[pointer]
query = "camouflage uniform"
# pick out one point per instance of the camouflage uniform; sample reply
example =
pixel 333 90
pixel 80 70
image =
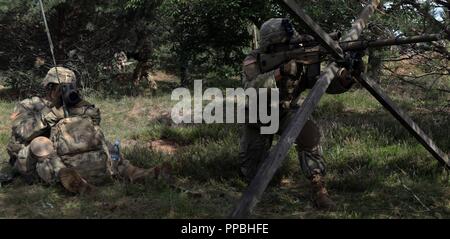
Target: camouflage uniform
pixel 142 72
pixel 36 146
pixel 44 143
pixel 254 147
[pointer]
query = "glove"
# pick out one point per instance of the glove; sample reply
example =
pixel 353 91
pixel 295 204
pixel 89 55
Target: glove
pixel 358 68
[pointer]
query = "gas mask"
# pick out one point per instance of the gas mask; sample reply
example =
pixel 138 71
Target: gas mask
pixel 70 95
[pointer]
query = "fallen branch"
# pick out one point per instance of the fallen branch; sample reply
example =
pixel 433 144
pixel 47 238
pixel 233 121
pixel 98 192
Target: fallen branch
pixel 402 78
pixel 415 197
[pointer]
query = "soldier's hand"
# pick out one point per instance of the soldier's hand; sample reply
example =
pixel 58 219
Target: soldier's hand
pixel 358 68
pixel 289 69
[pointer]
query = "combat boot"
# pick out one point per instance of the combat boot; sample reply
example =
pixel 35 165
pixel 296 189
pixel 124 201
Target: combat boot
pixel 73 182
pixel 320 194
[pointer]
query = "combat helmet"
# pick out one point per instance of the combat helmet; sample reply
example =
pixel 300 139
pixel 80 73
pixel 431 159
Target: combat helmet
pixel 276 31
pixel 65 76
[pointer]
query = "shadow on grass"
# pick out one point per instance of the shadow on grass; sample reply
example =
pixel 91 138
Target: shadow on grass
pixel 361 195
pixel 119 92
pixel 151 199
pixel 386 128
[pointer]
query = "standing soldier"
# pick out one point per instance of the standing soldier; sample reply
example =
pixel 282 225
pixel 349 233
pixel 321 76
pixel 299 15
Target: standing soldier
pixel 291 79
pixel 143 70
pixel 58 139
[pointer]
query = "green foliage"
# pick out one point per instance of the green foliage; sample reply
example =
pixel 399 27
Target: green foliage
pixel 333 15
pixel 86 35
pixel 25 83
pixel 206 34
pixel 191 38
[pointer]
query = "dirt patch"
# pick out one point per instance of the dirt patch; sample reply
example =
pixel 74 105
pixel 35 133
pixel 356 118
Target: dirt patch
pixel 164 146
pixel 160 145
pixel 160 115
pixel 152 113
pixel 137 110
pixel 163 76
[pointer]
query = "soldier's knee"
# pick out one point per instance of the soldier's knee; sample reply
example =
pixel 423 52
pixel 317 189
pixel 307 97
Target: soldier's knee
pixel 41 148
pixel 253 148
pixel 48 163
pixel 27 158
pixel 309 137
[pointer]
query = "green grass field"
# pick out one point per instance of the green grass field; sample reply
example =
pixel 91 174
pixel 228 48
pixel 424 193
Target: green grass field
pixel 375 168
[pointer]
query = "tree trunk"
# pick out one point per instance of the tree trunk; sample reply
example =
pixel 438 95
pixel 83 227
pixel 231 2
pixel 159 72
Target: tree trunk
pixel 255 43
pixel 374 65
pixel 184 75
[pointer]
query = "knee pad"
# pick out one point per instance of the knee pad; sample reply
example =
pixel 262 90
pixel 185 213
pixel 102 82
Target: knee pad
pixel 43 152
pixel 41 148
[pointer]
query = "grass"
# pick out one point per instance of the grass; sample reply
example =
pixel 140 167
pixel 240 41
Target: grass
pixel 375 168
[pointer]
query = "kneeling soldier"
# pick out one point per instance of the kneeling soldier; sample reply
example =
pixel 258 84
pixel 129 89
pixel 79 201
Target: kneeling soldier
pixel 290 79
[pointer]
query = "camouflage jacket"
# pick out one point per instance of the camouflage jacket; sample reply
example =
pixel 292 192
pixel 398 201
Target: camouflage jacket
pixel 83 108
pixel 35 117
pixel 254 78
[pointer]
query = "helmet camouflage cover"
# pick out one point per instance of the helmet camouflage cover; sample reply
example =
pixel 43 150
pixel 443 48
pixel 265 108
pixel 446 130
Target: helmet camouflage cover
pixel 276 31
pixel 65 76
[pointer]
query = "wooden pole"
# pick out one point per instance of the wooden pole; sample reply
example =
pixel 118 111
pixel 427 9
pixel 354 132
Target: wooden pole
pixel 314 29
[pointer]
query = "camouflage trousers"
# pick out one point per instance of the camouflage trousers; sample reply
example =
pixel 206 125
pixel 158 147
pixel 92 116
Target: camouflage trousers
pixel 142 76
pixel 33 168
pixel 96 166
pixel 254 148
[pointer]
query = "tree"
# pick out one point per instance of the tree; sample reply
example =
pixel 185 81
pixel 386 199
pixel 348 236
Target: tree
pixel 204 33
pixel 86 34
pixel 192 38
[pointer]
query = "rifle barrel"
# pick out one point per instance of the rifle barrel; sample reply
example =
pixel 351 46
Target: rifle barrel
pixel 361 45
pixel 310 55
